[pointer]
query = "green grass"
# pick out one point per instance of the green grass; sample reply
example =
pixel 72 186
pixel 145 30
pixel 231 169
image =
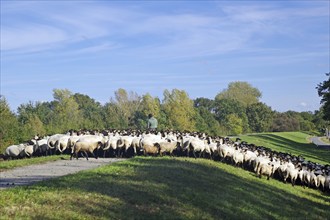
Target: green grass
pixel 296 143
pixel 10 164
pixel 164 188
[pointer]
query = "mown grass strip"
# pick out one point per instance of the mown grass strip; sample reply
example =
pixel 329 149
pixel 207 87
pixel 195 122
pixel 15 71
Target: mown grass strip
pixel 164 188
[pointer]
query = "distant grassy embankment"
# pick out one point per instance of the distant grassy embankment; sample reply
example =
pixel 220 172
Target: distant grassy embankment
pixel 164 188
pixel 296 143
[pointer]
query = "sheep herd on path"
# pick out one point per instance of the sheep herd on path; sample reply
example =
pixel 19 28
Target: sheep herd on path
pixel 127 143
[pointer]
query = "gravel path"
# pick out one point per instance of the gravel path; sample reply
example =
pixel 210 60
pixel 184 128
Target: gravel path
pixel 30 174
pixel 319 143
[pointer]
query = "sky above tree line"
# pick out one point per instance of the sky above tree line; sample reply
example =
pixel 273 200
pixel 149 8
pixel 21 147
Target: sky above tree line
pixel 96 47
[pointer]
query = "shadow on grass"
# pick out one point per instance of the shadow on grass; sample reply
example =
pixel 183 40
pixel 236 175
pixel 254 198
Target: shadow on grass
pixel 307 150
pixel 163 188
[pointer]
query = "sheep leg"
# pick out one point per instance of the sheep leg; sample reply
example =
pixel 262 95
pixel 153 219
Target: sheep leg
pixel 194 154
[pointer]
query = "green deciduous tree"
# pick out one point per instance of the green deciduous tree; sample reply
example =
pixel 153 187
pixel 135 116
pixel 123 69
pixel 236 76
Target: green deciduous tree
pixel 260 117
pixel 33 126
pixel 91 112
pixel 122 109
pixel 66 111
pixel 242 92
pixel 179 109
pixel 206 122
pixel 234 124
pixel 225 107
pixel 324 92
pixel 9 127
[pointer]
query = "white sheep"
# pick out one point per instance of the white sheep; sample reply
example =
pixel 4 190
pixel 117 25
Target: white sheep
pixel 291 172
pixel 238 157
pixel 320 181
pixel 14 151
pixel 266 169
pixel 167 146
pixel 86 147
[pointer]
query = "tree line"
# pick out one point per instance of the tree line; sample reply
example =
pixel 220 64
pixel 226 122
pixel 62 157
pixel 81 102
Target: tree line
pixel 235 110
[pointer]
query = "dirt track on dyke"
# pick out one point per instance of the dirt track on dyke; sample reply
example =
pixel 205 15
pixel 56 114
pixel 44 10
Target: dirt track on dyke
pixel 34 173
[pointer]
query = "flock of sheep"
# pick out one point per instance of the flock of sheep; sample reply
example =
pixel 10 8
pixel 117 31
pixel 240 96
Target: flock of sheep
pixel 126 143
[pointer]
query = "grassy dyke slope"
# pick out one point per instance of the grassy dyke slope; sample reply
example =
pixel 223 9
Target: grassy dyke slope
pixel 164 188
pixel 296 143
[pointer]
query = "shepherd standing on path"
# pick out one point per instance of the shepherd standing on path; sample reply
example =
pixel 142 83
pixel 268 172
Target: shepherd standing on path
pixel 152 123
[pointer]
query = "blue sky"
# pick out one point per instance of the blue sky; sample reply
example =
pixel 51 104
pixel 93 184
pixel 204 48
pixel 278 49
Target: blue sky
pixel 96 47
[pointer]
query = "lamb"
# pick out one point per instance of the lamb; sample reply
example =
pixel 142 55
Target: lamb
pixel 86 147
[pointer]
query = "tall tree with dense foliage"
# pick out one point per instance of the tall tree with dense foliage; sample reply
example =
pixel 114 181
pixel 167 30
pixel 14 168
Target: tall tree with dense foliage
pixel 242 92
pixel 225 107
pixel 323 90
pixel 179 109
pixel 9 127
pixel 260 117
pixel 66 111
pixel 91 111
pixel 206 122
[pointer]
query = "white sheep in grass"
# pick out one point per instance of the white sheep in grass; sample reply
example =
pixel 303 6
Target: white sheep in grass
pixel 213 145
pixel 28 151
pixel 310 178
pixel 259 161
pixel 320 181
pixel 225 150
pixel 167 146
pixel 249 157
pixel 52 141
pixel 62 143
pixel 14 151
pixel 136 144
pixel 148 142
pixel 292 173
pixel 238 157
pixel 124 144
pixel 86 147
pixel 196 144
pixel 41 147
pixel 327 182
pixel 266 169
pixel 72 140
